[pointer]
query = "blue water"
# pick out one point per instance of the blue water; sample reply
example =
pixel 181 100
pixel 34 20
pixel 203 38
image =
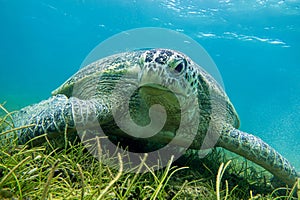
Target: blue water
pixel 255 44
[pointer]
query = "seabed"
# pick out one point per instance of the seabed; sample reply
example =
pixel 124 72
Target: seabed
pixel 70 172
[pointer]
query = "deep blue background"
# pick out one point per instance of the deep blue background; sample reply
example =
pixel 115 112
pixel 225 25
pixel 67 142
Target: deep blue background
pixel 255 44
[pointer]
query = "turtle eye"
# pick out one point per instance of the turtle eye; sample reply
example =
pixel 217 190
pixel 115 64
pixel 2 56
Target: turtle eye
pixel 180 66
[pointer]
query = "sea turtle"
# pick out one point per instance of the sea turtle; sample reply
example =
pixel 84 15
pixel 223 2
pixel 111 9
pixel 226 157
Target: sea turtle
pixel 157 76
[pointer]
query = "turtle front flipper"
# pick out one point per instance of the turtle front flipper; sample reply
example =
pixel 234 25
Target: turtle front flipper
pixel 259 152
pixel 55 116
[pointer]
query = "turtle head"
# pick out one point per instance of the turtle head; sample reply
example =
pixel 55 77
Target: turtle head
pixel 166 69
pixel 172 71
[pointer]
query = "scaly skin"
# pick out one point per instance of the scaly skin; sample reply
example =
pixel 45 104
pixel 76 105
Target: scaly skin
pixel 259 152
pixel 90 96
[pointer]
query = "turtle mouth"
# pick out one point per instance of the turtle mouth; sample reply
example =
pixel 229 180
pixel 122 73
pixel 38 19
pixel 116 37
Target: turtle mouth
pixel 156 89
